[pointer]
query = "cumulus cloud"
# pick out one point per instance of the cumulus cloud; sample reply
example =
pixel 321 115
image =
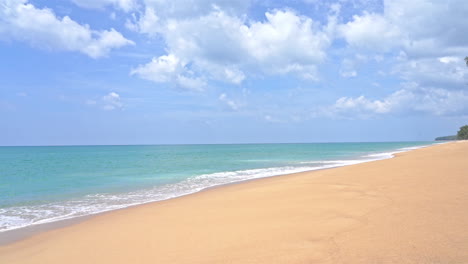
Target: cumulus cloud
pixel 419 27
pixel 427 37
pixel 286 43
pixel 434 86
pixel 161 69
pixel 111 101
pixel 361 107
pixel 125 5
pixel 169 69
pixel 156 14
pixel 443 72
pixel 191 83
pixel 41 28
pixel 371 31
pixel 148 23
pixel 216 40
pixel 416 99
pixel 426 34
pixel 225 47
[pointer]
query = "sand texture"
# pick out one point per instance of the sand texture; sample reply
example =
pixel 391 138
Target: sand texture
pixel 409 209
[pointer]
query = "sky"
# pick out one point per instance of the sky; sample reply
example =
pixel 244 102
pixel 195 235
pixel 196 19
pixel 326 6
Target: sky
pixel 88 72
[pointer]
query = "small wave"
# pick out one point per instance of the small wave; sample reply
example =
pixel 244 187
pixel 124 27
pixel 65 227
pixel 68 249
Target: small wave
pixel 22 216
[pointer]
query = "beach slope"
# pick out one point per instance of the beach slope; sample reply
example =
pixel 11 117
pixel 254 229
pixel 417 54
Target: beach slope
pixel 409 209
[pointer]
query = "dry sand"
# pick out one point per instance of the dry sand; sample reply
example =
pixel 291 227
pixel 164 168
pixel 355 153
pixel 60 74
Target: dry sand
pixel 409 209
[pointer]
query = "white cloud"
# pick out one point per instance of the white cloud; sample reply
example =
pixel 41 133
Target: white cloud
pixel 233 75
pixel 286 42
pixel 161 69
pixel 427 36
pixel 191 83
pixel 371 31
pixel 196 8
pixel 125 5
pixel 148 23
pixel 169 69
pixel 111 101
pixel 419 27
pixel 360 106
pixel 224 47
pixel 230 103
pixel 449 59
pixel 157 13
pixel 443 72
pixel 413 99
pixel 22 21
pixel 431 27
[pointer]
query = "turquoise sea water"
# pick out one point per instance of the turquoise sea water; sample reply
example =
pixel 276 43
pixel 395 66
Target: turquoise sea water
pixel 45 184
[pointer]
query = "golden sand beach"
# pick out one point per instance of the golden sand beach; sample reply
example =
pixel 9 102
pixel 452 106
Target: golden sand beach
pixel 409 209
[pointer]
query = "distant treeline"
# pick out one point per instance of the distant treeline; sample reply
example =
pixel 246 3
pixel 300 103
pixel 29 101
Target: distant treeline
pixel 462 133
pixel 447 138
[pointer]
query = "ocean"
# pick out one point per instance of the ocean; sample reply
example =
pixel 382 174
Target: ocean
pixel 46 184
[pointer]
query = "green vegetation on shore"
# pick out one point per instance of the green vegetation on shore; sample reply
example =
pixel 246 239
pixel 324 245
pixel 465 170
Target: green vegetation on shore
pixel 446 138
pixel 462 133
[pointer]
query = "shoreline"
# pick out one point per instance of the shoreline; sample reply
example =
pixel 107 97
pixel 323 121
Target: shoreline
pixel 18 234
pixel 407 209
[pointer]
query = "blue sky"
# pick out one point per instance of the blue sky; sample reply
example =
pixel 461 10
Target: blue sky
pixel 205 71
